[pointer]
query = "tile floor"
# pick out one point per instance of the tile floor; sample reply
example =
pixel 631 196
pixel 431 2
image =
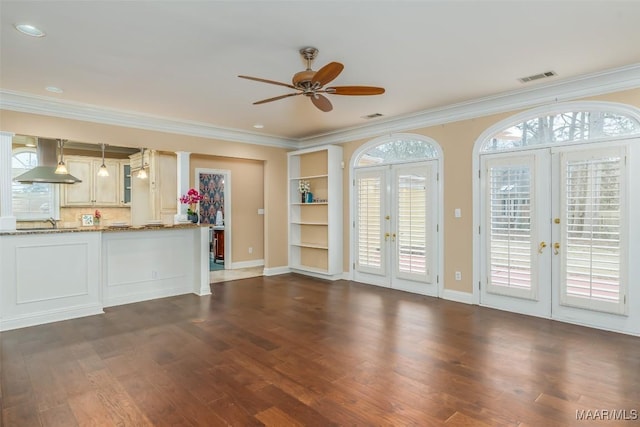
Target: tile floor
pixel 240 273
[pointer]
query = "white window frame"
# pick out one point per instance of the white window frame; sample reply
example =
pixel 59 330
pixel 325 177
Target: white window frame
pixel 54 211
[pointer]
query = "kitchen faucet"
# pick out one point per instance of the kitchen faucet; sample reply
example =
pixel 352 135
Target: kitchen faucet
pixel 53 222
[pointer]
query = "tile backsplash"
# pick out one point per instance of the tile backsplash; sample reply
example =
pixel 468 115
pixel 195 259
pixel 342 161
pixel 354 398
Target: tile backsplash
pixel 72 217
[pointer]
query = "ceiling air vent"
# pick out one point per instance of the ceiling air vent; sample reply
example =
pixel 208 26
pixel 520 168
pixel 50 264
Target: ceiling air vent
pixel 372 116
pixel 538 76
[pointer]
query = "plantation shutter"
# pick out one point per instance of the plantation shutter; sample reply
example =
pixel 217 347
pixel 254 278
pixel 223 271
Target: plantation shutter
pixel 593 231
pixel 414 221
pixel 510 205
pixel 369 201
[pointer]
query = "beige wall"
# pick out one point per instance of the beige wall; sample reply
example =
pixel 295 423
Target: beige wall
pixel 247 196
pixel 273 161
pixel 457 140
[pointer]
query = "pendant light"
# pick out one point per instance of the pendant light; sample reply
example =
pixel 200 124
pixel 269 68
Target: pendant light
pixel 61 169
pixel 103 168
pixel 142 174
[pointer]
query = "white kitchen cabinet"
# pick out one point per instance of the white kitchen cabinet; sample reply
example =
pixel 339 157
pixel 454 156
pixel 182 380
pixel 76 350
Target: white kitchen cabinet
pixel 154 198
pixel 94 190
pixel 125 183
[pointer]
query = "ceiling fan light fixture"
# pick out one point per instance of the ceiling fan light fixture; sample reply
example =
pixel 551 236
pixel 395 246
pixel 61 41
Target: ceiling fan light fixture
pixel 300 78
pixel 312 83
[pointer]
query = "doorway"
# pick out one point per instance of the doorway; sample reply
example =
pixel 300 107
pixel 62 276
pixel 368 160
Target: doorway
pixel 555 236
pixel 396 208
pixel 215 210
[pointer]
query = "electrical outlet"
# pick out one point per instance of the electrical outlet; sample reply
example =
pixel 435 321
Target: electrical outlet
pixel 250 250
pixel 458 275
pixel 154 274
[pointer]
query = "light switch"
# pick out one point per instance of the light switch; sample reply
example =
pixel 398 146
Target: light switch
pixel 457 213
pixel 260 211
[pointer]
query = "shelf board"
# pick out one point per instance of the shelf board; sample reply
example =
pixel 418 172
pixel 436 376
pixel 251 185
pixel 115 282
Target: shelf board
pixel 310 177
pixel 311 269
pixel 303 204
pixel 310 245
pixel 309 223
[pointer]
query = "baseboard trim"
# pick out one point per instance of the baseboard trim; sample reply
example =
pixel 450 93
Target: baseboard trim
pixel 247 264
pixel 146 296
pixel 41 318
pixel 274 271
pixel 457 296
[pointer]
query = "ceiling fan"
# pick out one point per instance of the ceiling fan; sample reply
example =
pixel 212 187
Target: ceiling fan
pixel 311 83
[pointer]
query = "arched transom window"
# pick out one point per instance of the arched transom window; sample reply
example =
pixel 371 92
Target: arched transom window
pixel 397 149
pixel 563 128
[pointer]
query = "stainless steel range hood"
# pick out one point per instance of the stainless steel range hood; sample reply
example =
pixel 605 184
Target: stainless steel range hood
pixel 47 162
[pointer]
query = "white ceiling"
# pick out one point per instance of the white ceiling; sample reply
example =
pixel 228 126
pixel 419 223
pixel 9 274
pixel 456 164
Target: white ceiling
pixel 180 59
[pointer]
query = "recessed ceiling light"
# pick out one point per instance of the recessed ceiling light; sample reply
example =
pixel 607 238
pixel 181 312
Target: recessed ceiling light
pixel 54 89
pixel 258 126
pixel 30 30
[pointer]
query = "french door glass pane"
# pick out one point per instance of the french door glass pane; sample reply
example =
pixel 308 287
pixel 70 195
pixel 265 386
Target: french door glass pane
pixel 412 224
pixel 593 206
pixel 510 227
pixel 369 222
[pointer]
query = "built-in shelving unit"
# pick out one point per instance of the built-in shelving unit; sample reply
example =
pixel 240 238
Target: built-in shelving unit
pixel 315 226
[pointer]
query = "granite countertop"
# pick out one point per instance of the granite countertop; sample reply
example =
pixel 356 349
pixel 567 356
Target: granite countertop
pixel 107 228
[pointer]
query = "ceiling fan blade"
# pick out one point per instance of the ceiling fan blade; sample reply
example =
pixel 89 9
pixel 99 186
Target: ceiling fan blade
pixel 276 98
pixel 322 102
pixel 327 73
pixel 269 81
pixel 354 90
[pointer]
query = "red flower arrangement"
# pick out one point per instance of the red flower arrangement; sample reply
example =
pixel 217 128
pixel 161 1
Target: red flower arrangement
pixel 191 198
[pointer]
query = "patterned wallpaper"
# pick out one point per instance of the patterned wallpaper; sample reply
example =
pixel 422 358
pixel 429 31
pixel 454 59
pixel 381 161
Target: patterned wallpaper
pixel 212 188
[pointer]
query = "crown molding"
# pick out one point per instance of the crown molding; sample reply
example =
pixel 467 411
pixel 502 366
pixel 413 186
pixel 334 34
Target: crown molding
pixel 608 81
pixel 28 103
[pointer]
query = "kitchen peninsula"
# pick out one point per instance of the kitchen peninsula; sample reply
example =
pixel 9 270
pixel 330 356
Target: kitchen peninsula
pixel 58 274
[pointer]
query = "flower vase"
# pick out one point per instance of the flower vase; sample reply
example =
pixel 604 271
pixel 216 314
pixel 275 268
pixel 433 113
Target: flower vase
pixel 193 218
pixel 304 197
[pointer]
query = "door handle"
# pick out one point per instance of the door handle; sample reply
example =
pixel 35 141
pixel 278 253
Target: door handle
pixel 556 248
pixel 542 246
pixel 386 236
pixel 393 237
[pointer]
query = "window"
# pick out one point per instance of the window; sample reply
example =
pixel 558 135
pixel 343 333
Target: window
pixel 400 149
pixel 35 201
pixel 562 128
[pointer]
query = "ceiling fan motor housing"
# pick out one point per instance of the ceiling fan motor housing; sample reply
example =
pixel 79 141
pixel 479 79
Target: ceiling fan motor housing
pixel 302 79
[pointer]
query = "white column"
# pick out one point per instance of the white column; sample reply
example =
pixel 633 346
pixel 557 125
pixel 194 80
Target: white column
pixel 183 183
pixel 7 220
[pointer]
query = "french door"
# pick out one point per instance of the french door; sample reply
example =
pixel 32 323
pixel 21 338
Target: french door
pixel 554 233
pixel 396 226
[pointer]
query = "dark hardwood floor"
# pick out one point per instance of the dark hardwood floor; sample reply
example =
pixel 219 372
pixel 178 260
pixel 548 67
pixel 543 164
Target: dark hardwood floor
pixel 290 350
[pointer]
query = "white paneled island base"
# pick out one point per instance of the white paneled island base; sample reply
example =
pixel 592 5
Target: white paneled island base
pixel 64 274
